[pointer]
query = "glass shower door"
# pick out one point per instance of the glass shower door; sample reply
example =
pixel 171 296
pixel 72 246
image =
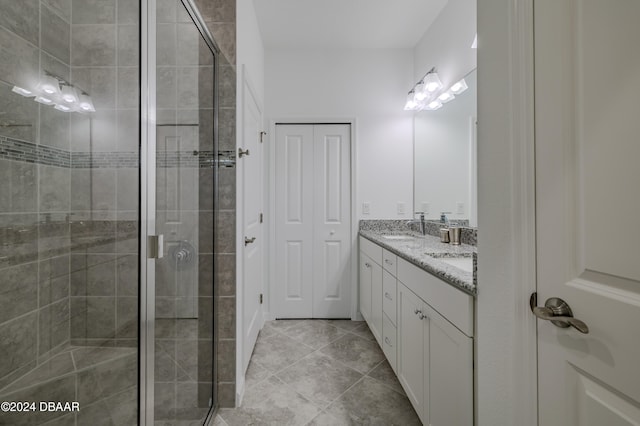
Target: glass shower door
pixel 69 210
pixel 184 196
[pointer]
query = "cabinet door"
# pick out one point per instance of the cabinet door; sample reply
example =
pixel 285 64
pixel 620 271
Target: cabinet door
pixel 451 374
pixel 366 266
pixel 413 339
pixel 376 302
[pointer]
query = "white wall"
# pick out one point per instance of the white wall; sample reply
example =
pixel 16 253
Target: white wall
pixel 250 48
pixel 506 329
pixel 368 85
pixel 447 43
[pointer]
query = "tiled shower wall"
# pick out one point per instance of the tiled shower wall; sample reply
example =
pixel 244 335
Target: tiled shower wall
pixel 68 206
pixel 34 195
pixel 104 174
pixel 220 17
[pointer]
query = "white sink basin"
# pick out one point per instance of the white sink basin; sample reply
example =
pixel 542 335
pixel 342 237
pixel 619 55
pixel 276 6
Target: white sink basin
pixel 464 263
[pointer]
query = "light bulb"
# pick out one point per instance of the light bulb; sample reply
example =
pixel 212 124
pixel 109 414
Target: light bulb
pixel 62 107
pixel 49 85
pixel 434 105
pixel 420 93
pixel 69 94
pixel 44 100
pixel 411 103
pixel 446 97
pixel 21 91
pixel 459 87
pixel 86 104
pixel 432 82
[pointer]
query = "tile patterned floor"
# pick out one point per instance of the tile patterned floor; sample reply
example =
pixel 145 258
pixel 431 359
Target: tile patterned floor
pixel 319 372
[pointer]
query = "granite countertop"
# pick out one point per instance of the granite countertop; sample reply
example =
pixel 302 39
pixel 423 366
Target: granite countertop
pixel 414 249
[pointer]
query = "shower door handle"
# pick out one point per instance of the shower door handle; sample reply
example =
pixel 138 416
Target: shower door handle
pixel 248 241
pixel 155 246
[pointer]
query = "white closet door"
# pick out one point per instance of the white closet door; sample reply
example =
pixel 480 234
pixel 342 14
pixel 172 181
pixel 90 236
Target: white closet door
pixel 332 221
pixel 294 222
pixel 313 221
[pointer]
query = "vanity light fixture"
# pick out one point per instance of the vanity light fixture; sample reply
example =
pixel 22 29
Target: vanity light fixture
pixel 69 94
pixel 63 108
pixel 447 96
pixel 411 104
pixel 420 91
pixel 433 105
pixel 459 87
pixel 43 100
pixel 49 85
pixel 24 92
pixel 86 104
pixel 428 94
pixel 59 93
pixel 432 82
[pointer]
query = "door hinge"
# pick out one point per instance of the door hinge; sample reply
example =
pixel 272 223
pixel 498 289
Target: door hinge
pixel 261 218
pixel 262 135
pixel 261 298
pixel 155 246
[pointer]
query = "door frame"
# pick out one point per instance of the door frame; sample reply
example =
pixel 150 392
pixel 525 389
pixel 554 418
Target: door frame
pixel 271 208
pixel 506 346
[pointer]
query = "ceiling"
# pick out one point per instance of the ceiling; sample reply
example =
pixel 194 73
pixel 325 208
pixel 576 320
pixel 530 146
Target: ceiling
pixel 345 23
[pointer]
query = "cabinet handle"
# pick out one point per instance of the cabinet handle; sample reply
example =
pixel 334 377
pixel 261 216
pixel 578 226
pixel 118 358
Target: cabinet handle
pixel 419 314
pixel 367 265
pixel 387 295
pixel 388 262
pixel 387 341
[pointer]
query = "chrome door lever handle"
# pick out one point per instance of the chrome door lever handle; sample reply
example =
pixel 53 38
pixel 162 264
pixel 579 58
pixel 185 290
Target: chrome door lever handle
pixel 249 240
pixel 558 312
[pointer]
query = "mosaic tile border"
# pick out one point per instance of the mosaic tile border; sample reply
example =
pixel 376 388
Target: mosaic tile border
pixel 17 150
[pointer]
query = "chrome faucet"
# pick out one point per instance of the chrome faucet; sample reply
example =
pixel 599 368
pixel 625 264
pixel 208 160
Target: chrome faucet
pixel 423 227
pixel 444 220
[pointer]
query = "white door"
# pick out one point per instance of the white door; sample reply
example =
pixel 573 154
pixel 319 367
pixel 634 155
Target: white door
pixel 313 221
pixel 332 221
pixel 587 89
pixel 250 165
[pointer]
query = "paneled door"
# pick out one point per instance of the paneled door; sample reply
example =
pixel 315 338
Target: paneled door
pixel 313 221
pixel 587 175
pixel 250 168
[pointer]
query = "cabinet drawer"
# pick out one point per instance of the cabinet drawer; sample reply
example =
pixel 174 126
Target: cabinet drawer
pixel 372 250
pixel 389 261
pixel 451 303
pixel 389 288
pixel 389 342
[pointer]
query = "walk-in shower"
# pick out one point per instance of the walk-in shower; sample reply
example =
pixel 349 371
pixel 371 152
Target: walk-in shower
pixel 108 118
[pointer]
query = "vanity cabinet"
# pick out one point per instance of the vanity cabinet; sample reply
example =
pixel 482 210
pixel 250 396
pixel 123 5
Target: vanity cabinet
pixel 425 328
pixel 371 286
pixel 435 365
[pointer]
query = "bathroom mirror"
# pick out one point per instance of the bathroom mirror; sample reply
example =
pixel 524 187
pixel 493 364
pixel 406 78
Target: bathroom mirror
pixel 445 158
